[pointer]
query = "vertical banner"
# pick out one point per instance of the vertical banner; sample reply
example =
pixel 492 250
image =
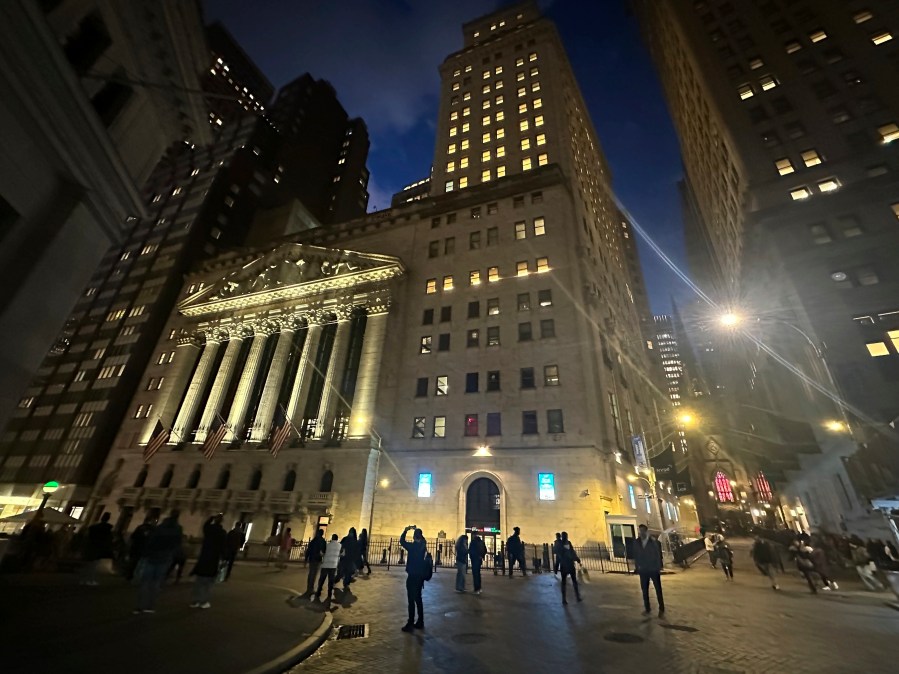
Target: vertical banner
pixel 640 460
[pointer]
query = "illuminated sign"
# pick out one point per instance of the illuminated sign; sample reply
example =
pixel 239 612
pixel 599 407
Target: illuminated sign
pixel 546 482
pixel 484 530
pixel 424 485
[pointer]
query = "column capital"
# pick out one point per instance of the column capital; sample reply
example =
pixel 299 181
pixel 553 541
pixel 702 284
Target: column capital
pixel 379 304
pixel 266 327
pixel 292 322
pixel 215 335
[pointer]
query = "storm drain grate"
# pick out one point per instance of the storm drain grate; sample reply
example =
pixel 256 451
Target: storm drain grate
pixel 623 638
pixel 352 632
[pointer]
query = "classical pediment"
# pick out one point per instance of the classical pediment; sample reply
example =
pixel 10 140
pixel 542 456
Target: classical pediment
pixel 291 271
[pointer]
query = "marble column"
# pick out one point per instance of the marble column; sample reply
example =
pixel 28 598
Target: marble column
pixel 363 410
pixel 245 387
pixel 197 386
pixel 300 391
pixel 269 400
pixel 222 380
pixel 177 380
pixel 333 375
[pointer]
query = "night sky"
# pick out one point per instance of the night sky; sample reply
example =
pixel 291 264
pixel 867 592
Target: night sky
pixel 382 58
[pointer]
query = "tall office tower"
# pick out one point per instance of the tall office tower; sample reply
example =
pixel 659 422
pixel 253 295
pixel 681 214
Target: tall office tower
pixel 669 353
pixel 234 85
pixel 469 360
pixel 787 115
pixel 80 137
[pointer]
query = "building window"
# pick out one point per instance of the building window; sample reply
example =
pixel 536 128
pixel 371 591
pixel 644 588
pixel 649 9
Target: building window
pixel 471 425
pixel 810 158
pixel 767 82
pixel 820 233
pixel 862 16
pixel 550 375
pixel 542 264
pixel 427 317
pixel 545 298
pixel 526 164
pixel 448 186
pixel 439 427
pixel 539 226
pixel 474 277
pixel 450 166
pixel 471 382
pixel 492 274
pixel 800 193
pixel 817 36
pixel 441 385
pixel 473 338
pixel 494 423
pixel 493 380
pixel 877 349
pixel 463 181
pixel 867 276
pixel 763 488
pixel 525 143
pixel 492 236
pixel 421 387
pixel 486 175
pixel 493 336
pixel 425 344
pixel 433 249
pixel 888 133
pixel 633 496
pixel 449 245
pixel 525 333
pixel 538 120
pixel 723 490
pixel 527 378
pixel 745 91
pixel 493 306
pixel 500 153
pixel 474 240
pixel 881 37
pixel 523 125
pixel 542 159
pixel 443 342
pixel 547 328
pixel 554 421
pixel 784 166
pixel 829 185
pixel 430 286
pixel 448 282
pixel 521 268
pixel 418 427
pixel 474 309
pixel 524 301
pixel 521 231
pixel 529 422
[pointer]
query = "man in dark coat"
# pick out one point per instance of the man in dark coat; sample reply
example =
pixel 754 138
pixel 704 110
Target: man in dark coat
pixel 349 556
pixel 235 541
pixel 515 551
pixel 137 543
pixel 212 550
pixel 315 552
pixel 99 546
pixel 416 571
pixel 158 553
pixel 648 565
pixel 477 550
pixel 765 558
pixel 566 559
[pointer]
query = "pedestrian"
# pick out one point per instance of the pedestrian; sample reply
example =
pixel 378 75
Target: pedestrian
pixel 764 556
pixel 801 554
pixel 822 568
pixel 179 561
pixel 725 555
pixel 417 571
pixel 330 561
pixel 284 548
pixel 315 553
pixel 98 548
pixel 648 565
pixel 556 544
pixel 136 544
pixel 709 541
pixel 515 551
pixel 350 553
pixel 865 567
pixel 477 551
pixel 567 557
pixel 206 569
pixel 233 544
pixel 363 551
pixel 461 562
pixel 158 553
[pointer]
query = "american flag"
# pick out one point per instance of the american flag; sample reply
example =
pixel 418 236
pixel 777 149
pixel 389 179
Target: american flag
pixel 281 428
pixel 159 437
pixel 214 437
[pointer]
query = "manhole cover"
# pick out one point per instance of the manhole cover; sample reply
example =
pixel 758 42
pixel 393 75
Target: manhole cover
pixel 679 628
pixel 352 632
pixel 469 638
pixel 623 638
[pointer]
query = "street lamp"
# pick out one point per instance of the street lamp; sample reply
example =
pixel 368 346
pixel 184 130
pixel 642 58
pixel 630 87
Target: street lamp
pixel 49 488
pixel 483 450
pixel 652 494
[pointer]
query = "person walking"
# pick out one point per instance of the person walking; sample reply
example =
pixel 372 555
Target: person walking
pixel 725 555
pixel 207 567
pixel 315 553
pixel 330 560
pixel 137 543
pixel 515 551
pixel 822 567
pixel 709 540
pixel 864 566
pixel 461 562
pixel 363 551
pixel 416 572
pixel 648 565
pixel 158 553
pixel 567 558
pixel 556 544
pixel 99 547
pixel 350 553
pixel 477 551
pixel 233 544
pixel 764 557
pixel 801 554
pixel 284 547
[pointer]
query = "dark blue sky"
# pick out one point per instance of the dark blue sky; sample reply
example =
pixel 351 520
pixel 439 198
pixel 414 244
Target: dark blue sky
pixel 382 57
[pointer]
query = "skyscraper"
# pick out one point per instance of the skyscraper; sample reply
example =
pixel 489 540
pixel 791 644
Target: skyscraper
pixel 472 359
pixel 787 117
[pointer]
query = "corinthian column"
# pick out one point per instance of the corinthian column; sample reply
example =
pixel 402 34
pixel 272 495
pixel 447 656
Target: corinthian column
pixel 363 410
pixel 197 385
pixel 266 411
pixel 222 380
pixel 247 377
pixel 300 392
pixel 333 375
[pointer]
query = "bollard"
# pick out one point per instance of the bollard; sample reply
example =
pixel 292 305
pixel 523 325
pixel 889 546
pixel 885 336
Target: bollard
pixel 384 556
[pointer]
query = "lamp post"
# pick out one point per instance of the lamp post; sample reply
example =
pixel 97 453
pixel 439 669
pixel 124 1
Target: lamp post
pixel 49 488
pixel 652 494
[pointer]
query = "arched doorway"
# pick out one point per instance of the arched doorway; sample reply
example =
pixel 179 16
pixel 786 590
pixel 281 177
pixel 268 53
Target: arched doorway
pixel 482 511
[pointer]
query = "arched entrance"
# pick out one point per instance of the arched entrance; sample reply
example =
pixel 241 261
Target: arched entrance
pixel 482 511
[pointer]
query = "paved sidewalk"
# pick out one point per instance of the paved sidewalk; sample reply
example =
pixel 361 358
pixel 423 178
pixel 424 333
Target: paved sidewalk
pixel 49 623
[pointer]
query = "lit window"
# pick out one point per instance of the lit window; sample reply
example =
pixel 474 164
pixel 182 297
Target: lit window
pixel 465 127
pixel 767 82
pixel 519 77
pixel 811 158
pixel 471 425
pixel 468 69
pixel 526 164
pixel 888 133
pixel 545 298
pixel 499 116
pixel 501 151
pixel 424 481
pixel 755 63
pixel 538 120
pixel 535 87
pixel 792 47
pixel 485 104
pixel 532 56
pixel 448 186
pixel 485 89
pixel 521 268
pixel 539 226
pixel 457 72
pixel 447 282
pixel 498 85
pixel 500 134
pixel 522 92
pixel 466 111
pixel 723 490
pixel 800 193
pixel 877 349
pixel 456 86
pixel 485 175
pixel 431 286
pixel 523 125
pixel 492 274
pixel 418 427
pixel 784 166
pixel 485 138
pixel 522 108
pixel 450 166
pixel 521 231
pixel 451 148
pixel 463 163
pixel 541 139
pixel 519 61
pixel 439 427
pixel 542 159
pixel 474 277
pixel 463 183
pixel 498 70
pixel 550 375
pixel 829 185
pixel 542 264
pixel 862 16
pixel 525 143
pixel 817 36
pixel 464 144
pixel 538 103
pixel 633 496
pixel 895 208
pixel 880 38
pixel 486 156
pixel 894 338
pixel 454 115
pixel 500 171
pixel 745 92
pixel 441 385
pixel 454 130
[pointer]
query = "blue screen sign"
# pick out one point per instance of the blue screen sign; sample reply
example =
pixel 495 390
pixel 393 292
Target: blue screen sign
pixel 546 483
pixel 424 485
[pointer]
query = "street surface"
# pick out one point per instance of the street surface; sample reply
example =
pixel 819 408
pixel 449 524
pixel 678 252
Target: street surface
pixel 712 626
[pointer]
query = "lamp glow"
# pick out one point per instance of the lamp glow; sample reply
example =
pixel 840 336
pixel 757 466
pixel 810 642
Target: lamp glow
pixel 730 319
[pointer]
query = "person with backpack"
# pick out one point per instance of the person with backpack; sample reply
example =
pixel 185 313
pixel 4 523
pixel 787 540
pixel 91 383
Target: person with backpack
pixel 477 551
pixel 418 570
pixel 567 558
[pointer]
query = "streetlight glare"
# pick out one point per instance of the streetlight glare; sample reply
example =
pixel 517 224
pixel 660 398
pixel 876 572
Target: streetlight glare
pixel 835 426
pixel 686 418
pixel 730 319
pixel 385 482
pixel 632 478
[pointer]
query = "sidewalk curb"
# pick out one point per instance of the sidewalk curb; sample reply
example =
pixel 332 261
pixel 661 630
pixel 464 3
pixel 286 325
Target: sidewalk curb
pixel 296 655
